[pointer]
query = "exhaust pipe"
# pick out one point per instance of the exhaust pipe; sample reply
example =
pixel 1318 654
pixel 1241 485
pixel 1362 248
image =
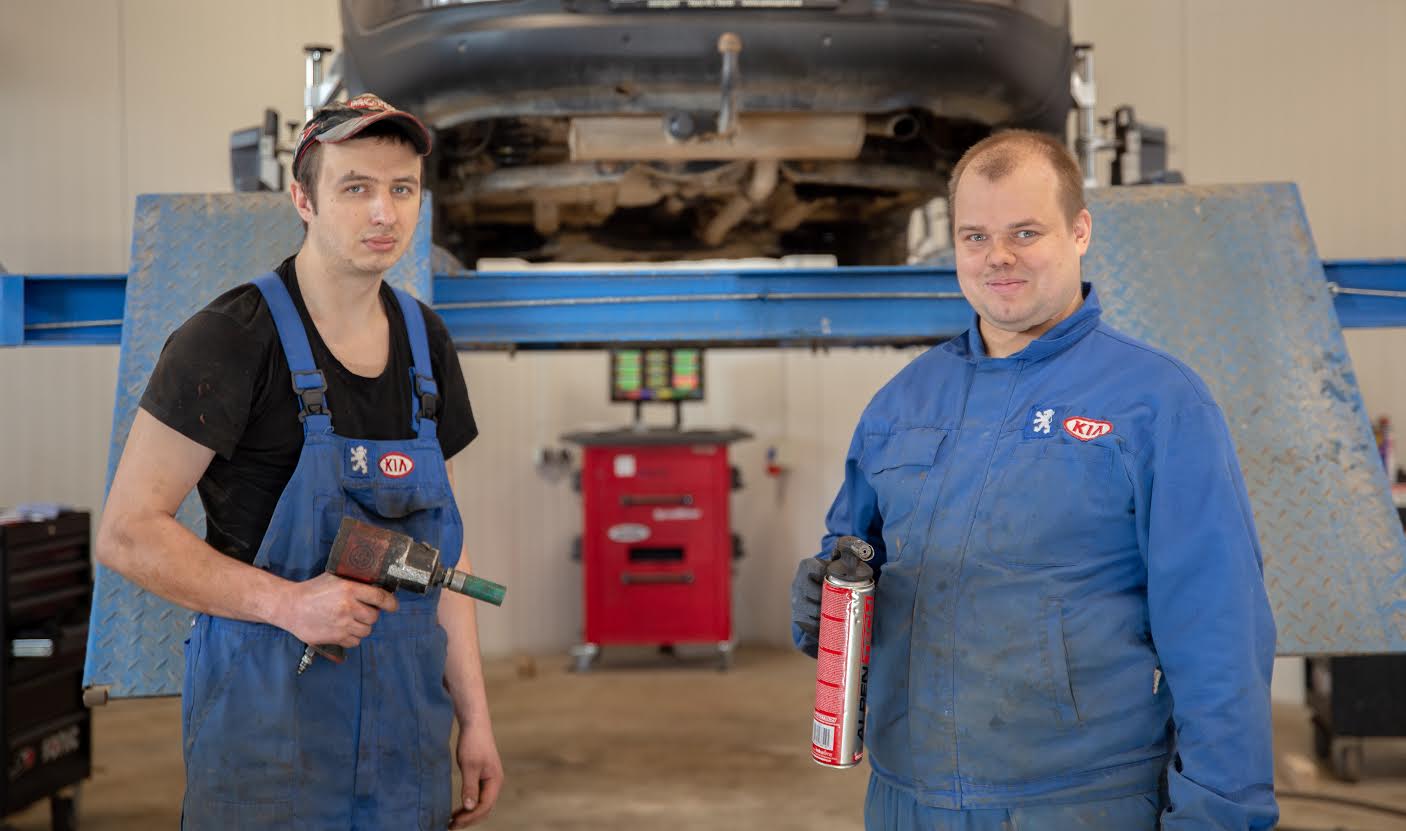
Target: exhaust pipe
pixel 899 126
pixel 781 136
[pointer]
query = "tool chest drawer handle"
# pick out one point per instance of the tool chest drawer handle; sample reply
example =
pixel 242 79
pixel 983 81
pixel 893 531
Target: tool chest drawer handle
pixel 629 500
pixel 644 579
pixel 32 648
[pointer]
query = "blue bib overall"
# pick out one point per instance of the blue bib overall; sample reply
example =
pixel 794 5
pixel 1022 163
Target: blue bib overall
pixel 360 745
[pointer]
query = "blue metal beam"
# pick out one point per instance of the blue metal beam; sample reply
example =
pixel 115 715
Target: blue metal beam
pixel 1368 293
pixel 69 309
pixel 717 306
pixel 835 306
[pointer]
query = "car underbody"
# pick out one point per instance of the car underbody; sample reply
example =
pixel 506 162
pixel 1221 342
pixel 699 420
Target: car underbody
pixel 619 131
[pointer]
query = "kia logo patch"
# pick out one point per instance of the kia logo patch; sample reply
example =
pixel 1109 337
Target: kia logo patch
pixel 396 465
pixel 1085 429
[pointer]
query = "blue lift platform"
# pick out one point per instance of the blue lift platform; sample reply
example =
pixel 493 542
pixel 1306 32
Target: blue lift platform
pixel 1225 277
pixel 897 305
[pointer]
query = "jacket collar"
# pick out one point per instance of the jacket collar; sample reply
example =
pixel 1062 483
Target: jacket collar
pixel 969 347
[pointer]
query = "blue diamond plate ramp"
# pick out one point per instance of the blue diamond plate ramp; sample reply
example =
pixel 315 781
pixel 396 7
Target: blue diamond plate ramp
pixel 187 250
pixel 1227 278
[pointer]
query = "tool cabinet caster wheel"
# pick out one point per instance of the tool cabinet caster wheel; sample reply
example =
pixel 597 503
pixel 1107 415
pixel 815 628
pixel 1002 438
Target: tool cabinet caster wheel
pixel 1347 761
pixel 725 652
pixel 582 656
pixel 63 813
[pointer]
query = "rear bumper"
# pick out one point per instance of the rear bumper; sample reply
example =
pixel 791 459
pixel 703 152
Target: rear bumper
pixel 953 58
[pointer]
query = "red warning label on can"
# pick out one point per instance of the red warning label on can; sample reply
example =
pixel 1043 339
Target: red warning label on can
pixel 846 615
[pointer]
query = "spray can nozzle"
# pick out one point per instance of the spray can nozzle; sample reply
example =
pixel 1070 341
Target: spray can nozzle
pixel 849 560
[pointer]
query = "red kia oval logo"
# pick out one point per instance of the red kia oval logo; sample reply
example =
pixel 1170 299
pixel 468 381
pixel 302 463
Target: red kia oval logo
pixel 396 465
pixel 1085 429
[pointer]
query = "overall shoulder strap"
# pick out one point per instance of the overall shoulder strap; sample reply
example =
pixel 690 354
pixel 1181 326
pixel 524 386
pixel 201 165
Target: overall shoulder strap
pixel 309 385
pixel 424 407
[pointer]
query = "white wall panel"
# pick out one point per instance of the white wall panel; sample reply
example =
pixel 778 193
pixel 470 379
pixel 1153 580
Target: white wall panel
pixel 61 151
pixel 56 424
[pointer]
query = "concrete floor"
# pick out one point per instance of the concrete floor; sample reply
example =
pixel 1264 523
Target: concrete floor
pixel 646 743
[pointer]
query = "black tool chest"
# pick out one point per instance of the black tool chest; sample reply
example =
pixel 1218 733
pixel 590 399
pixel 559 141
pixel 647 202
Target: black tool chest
pixel 1352 698
pixel 46 593
pixel 1355 697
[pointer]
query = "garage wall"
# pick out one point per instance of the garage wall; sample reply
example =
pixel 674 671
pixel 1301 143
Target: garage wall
pixel 104 100
pixel 144 93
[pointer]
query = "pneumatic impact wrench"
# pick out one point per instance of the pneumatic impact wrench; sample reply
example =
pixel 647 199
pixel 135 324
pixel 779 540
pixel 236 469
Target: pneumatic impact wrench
pixel 388 560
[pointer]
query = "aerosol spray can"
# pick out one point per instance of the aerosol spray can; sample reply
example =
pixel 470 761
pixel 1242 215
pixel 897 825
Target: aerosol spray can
pixel 842 664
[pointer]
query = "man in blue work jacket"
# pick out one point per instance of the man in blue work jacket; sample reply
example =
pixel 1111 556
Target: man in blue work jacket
pixel 313 393
pixel 1071 628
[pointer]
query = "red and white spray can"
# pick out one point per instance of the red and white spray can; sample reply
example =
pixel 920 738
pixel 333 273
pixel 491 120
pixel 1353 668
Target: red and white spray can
pixel 842 663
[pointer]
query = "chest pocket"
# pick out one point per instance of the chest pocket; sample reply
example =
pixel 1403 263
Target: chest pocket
pixel 897 466
pixel 1050 503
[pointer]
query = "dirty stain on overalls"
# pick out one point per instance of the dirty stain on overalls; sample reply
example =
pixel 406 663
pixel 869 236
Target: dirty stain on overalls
pixel 364 744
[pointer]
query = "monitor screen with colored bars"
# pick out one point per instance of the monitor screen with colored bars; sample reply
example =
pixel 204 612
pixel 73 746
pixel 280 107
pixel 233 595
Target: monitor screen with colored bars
pixel 656 374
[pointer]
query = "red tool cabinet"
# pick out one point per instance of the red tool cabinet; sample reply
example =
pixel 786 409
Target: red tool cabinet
pixel 657 545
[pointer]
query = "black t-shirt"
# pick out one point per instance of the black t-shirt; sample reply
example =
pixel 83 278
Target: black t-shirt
pixel 222 380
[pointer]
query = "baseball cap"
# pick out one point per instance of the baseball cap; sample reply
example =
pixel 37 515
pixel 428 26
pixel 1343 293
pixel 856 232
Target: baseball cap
pixel 341 122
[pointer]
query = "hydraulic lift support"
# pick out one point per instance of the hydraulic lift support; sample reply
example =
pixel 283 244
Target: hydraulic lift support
pixel 1225 277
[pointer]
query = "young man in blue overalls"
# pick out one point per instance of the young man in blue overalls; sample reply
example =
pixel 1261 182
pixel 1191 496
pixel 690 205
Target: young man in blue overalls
pixel 1071 628
pixel 312 393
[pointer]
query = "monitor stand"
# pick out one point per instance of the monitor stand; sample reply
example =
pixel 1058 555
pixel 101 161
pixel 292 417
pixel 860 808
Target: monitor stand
pixel 639 416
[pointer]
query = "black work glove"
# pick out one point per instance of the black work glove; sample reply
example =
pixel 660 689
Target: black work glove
pixel 805 600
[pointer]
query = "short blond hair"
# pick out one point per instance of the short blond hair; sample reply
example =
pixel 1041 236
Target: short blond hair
pixel 1000 153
